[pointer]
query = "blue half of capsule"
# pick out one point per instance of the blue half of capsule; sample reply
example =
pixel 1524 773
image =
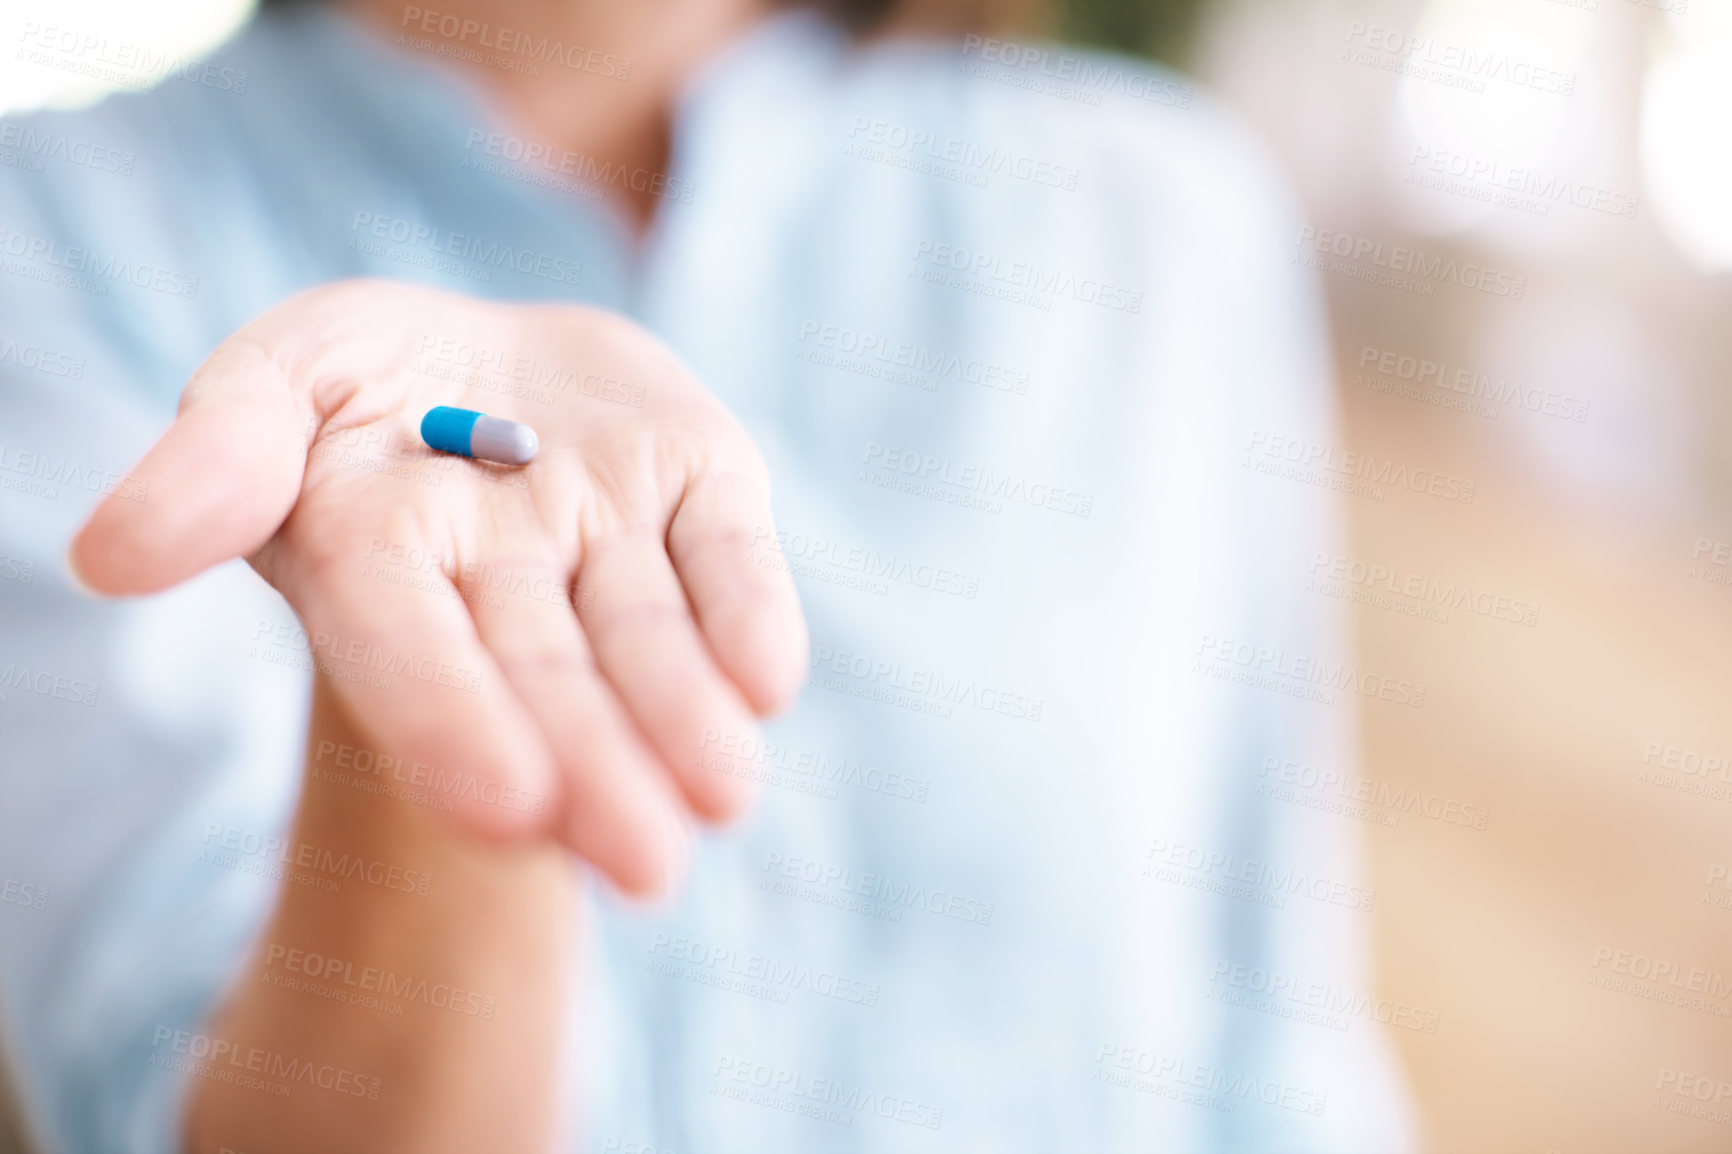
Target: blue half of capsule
pixel 471 434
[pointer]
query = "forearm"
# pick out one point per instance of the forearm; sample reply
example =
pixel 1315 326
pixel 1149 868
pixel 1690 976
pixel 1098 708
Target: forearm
pixel 445 1034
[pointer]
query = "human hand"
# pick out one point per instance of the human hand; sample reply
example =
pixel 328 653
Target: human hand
pixel 297 446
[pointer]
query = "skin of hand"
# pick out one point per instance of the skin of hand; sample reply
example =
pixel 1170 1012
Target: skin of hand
pixel 580 631
pixel 442 1000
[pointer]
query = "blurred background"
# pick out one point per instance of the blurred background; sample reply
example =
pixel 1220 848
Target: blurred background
pixel 1574 619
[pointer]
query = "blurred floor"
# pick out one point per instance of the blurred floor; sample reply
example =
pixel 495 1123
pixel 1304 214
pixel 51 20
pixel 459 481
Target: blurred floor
pixel 1499 931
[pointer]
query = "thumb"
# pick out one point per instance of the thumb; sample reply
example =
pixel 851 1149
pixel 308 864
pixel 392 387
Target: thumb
pixel 216 486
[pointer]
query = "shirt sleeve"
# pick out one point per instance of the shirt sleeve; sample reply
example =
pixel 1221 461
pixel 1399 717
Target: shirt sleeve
pixel 138 736
pixel 1310 1023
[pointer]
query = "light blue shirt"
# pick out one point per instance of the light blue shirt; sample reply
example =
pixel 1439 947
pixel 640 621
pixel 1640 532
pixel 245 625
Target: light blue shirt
pixel 1036 867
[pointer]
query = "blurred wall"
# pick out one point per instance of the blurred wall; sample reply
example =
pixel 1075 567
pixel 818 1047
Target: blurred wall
pixel 1521 217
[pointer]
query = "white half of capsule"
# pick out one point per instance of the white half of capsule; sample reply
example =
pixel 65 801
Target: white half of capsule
pixel 505 442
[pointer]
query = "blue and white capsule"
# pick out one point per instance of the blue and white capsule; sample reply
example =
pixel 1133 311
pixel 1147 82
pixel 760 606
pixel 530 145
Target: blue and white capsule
pixel 471 434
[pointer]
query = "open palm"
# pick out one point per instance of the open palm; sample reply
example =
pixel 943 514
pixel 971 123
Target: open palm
pixel 570 630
